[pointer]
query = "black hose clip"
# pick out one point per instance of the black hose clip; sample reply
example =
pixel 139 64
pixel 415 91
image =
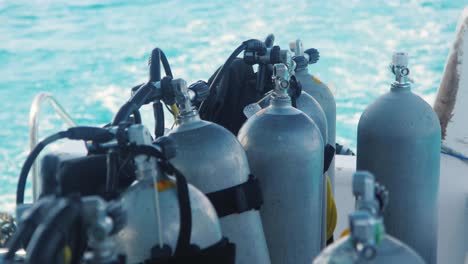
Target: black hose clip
pixel 382 196
pixel 167 91
pixel 295 87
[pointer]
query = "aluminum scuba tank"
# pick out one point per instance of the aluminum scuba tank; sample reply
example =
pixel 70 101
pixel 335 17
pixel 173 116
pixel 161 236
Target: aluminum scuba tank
pixel 304 102
pixel 154 220
pixel 367 242
pixel 399 141
pixel 285 151
pixel 214 161
pixel 319 91
pixel 312 109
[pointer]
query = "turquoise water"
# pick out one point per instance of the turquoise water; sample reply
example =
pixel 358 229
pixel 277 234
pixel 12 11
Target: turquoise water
pixel 90 53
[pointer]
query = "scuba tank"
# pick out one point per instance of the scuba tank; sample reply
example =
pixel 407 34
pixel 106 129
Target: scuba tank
pixel 307 104
pixel 302 101
pixel 399 142
pixel 213 160
pixel 167 220
pixel 285 151
pixel 367 241
pixel 319 91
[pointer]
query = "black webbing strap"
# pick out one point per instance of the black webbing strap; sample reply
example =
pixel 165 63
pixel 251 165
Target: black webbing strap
pixel 237 199
pixel 183 241
pixel 222 252
pixel 328 155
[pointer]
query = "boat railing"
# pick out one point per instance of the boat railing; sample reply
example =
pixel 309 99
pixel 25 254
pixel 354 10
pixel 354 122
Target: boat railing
pixel 34 116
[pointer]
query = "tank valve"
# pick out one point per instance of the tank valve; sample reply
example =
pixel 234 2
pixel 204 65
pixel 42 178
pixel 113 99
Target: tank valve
pixel 301 56
pixel 281 79
pixel 182 95
pixel 399 67
pixel 366 233
pixel 370 195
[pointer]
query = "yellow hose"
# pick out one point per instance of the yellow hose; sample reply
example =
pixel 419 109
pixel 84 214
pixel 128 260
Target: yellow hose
pixel 175 110
pixel 332 215
pixel 67 254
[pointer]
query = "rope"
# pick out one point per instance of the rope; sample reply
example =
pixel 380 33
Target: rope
pixel 453 153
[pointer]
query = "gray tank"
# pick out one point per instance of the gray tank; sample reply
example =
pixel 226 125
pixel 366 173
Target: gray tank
pixel 305 103
pixel 152 208
pixel 399 141
pixel 367 242
pixel 213 160
pixel 312 109
pixel 320 92
pixel 285 151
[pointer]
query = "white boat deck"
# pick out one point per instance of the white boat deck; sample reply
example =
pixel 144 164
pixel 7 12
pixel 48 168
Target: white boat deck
pixel 453 205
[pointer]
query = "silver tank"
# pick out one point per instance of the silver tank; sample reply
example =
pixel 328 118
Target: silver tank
pixel 152 210
pixel 312 109
pixel 399 141
pixel 306 104
pixel 320 92
pixel 141 234
pixel 347 251
pixel 367 241
pixel 285 151
pixel 212 159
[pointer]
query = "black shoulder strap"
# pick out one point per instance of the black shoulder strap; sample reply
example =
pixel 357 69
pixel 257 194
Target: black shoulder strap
pixel 221 252
pixel 183 241
pixel 328 154
pixel 237 199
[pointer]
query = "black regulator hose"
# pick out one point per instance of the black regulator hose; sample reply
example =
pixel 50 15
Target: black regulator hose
pixel 76 133
pixel 248 44
pixel 29 221
pixel 269 40
pixel 51 235
pixel 165 63
pixel 137 117
pixel 158 113
pixel 146 90
pixel 134 103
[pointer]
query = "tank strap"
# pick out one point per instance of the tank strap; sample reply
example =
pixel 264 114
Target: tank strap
pixel 183 241
pixel 221 252
pixel 328 155
pixel 237 199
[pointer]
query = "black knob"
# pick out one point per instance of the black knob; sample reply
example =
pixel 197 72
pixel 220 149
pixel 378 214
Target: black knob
pixel 275 56
pixel 313 55
pixel 201 90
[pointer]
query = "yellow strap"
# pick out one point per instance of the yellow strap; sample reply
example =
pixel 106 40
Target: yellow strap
pixel 332 215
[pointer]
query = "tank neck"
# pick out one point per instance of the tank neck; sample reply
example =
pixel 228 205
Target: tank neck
pixel 187 117
pixel 400 87
pixel 280 101
pixel 301 69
